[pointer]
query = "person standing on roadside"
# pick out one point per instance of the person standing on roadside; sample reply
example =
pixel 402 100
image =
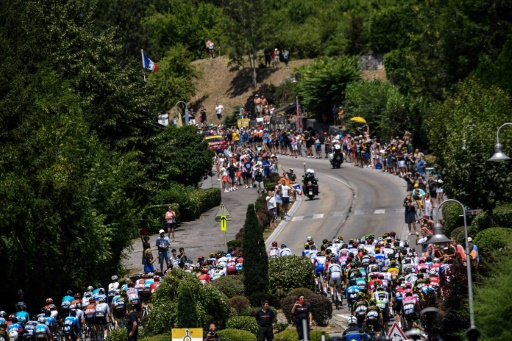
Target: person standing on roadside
pixel 170 222
pixel 219 109
pixel 163 243
pixel 302 311
pixel 286 57
pixel 265 317
pixel 132 324
pixel 212 333
pixel 285 196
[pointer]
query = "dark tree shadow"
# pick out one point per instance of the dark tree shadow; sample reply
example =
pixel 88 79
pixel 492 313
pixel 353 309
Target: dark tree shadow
pixel 197 104
pixel 243 80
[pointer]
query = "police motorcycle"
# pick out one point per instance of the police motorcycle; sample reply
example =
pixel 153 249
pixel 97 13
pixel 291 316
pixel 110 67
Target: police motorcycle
pixel 309 183
pixel 336 157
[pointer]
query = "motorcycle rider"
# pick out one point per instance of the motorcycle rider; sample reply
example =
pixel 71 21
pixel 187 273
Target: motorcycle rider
pixel 310 178
pixel 336 157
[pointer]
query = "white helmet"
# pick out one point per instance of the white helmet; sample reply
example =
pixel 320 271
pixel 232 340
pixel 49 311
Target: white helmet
pixel 114 278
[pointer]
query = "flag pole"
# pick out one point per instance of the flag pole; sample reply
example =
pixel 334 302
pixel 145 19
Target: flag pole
pixel 142 55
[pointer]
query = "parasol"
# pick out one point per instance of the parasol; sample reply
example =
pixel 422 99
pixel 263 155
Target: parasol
pixel 358 119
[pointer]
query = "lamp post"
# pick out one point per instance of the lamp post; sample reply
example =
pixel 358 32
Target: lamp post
pixel 498 155
pixel 439 238
pixel 294 79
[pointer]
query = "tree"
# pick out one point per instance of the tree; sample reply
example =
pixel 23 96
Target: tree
pixel 323 84
pixel 255 259
pixel 244 31
pixel 187 317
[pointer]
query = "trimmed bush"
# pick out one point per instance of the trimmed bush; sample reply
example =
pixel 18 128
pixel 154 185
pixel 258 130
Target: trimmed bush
pixel 246 323
pixel 236 335
pixel 230 286
pixel 274 177
pixel 117 335
pixel 301 291
pixel 287 335
pixel 458 233
pixel 264 217
pixel 480 222
pixel 160 337
pixel 451 215
pixel 271 186
pixel 502 215
pixel 234 243
pixel 251 311
pixel 286 273
pixel 493 239
pixel 239 303
pixel 321 308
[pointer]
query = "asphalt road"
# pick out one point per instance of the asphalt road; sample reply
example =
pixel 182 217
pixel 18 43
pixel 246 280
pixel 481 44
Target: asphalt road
pixel 352 202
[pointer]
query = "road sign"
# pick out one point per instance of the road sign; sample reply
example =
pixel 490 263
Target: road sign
pixel 396 333
pixel 223 223
pixel 223 211
pixel 187 334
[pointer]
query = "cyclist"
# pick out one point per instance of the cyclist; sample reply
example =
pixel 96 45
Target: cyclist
pixel 313 252
pixel 22 316
pixel 374 315
pixel 285 251
pixel 72 326
pixel 274 251
pixel 30 330
pixel 42 331
pixel 133 296
pixel 100 294
pixel 3 326
pixel 119 304
pixel 14 329
pixel 90 311
pixel 156 283
pixel 112 287
pixel 204 277
pixel 101 315
pixel 410 308
pixel 319 265
pixel 66 303
pixel 359 308
pixel 353 332
pixel 334 276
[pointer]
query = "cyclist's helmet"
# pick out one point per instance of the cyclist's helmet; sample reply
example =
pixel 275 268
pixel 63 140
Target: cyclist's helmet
pixel 41 320
pixel 101 291
pixel 283 246
pixel 408 285
pixel 3 314
pixel 205 271
pixel 90 288
pixel 114 278
pixel 130 284
pixel 309 238
pixel 433 272
pixel 92 300
pixel 47 312
pixel 373 301
pixel 49 301
pixel 122 292
pixel 325 241
pixel 77 296
pixel 420 275
pixel 312 247
pixel 88 294
pixel 380 288
pixel 145 276
pixel 156 278
pixel 352 282
pixel 52 307
pixel 14 319
pixel 72 312
pixel 328 251
pixel 306 246
pixel 10 317
pixel 353 265
pixel 361 295
pixel 352 321
pixel 101 299
pixel 274 244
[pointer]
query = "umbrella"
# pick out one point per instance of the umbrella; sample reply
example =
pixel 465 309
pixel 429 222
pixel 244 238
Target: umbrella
pixel 358 119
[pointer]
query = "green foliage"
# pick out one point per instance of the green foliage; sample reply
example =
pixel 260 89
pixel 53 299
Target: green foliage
pixel 323 83
pixel 301 291
pixel 287 335
pixel 234 243
pixel 230 286
pixel 236 335
pixel 161 337
pixel 252 311
pixel 321 307
pixel 493 239
pixel 494 289
pixel 502 215
pixel 459 235
pixel 120 334
pixel 480 222
pixel 239 303
pixel 256 264
pixel 211 305
pixel 187 317
pixel 471 115
pixel 286 273
pixel 246 323
pixel 452 214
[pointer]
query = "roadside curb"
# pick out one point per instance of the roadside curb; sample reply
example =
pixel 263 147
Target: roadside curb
pixel 283 223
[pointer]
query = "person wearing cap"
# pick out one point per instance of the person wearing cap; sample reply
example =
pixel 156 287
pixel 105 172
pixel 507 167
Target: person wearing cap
pixel 473 252
pixel 163 244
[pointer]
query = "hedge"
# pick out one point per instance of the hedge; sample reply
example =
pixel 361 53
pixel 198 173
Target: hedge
pixel 160 337
pixel 231 286
pixel 458 233
pixel 234 243
pixel 502 215
pixel 246 323
pixel 286 273
pixel 493 239
pixel 451 215
pixel 117 335
pixel 321 307
pixel 251 311
pixel 291 335
pixel 236 335
pixel 239 303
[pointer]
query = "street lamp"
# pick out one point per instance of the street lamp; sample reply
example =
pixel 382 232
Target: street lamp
pixel 294 79
pixel 439 238
pixel 498 155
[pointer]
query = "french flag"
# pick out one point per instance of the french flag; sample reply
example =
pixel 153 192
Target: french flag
pixel 296 187
pixel 148 63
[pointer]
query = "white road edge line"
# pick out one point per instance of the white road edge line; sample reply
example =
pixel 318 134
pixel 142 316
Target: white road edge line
pixel 282 224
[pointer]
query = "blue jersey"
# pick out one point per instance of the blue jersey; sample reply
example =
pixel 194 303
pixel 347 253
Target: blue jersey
pixel 352 292
pixel 42 329
pixel 67 298
pixel 50 321
pixel 71 325
pixel 98 296
pixel 22 317
pixel 380 259
pixel 15 326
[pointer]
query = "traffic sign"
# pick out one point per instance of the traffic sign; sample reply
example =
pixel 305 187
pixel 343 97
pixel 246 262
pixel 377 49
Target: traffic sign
pixel 223 211
pixel 396 333
pixel 187 334
pixel 223 223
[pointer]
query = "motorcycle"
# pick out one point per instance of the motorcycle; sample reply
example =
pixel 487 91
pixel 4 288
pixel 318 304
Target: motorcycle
pixel 310 185
pixel 336 158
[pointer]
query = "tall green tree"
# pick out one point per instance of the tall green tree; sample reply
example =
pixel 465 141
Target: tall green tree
pixel 255 259
pixel 187 316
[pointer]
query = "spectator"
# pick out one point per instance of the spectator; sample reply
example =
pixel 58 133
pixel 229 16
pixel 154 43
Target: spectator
pixel 285 196
pixel 410 214
pixel 473 252
pixel 265 317
pixel 219 109
pixel 192 114
pixel 182 258
pixel 132 324
pixel 302 311
pixel 170 222
pixel 286 57
pixel 175 261
pixel 212 333
pixel 423 241
pixel 148 261
pixel 163 243
pixel 203 117
pixel 146 244
pixel 267 57
pixel 272 208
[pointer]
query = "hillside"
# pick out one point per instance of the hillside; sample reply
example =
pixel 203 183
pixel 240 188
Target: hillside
pixel 231 89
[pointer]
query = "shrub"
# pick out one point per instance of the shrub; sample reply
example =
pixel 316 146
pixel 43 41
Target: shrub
pixel 301 291
pixel 321 308
pixel 231 286
pixel 286 273
pixel 451 214
pixel 240 235
pixel 117 335
pixel 502 215
pixel 235 335
pixel 161 337
pixel 493 238
pixel 234 243
pixel 458 233
pixel 188 316
pixel 274 177
pixel 287 335
pixel 271 186
pixel 246 323
pixel 260 203
pixel 264 217
pixel 316 335
pixel 239 303
pixel 251 311
pixel 480 222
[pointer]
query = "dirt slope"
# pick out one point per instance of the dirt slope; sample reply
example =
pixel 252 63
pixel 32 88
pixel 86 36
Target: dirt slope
pixel 231 89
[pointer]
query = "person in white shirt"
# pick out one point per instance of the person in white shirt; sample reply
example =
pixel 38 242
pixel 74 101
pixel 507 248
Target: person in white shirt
pixel 285 196
pixel 272 207
pixel 218 110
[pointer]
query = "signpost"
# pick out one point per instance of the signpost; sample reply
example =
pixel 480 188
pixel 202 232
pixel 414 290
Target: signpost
pixel 187 334
pixel 396 333
pixel 223 216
